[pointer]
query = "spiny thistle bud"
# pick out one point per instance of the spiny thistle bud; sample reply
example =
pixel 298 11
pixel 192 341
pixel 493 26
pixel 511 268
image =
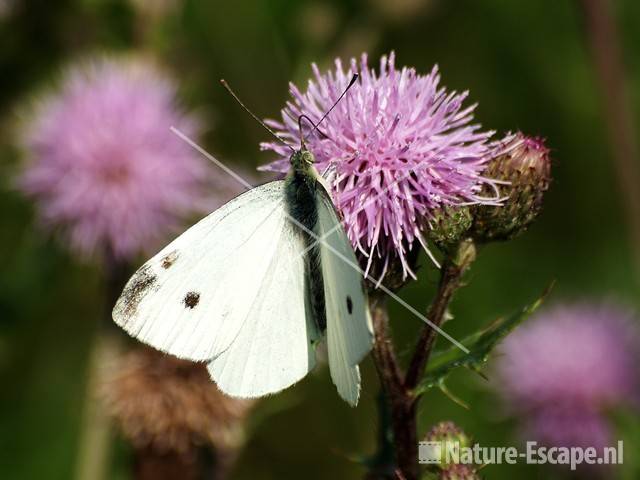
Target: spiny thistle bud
pixel 451 438
pixel 459 472
pixel 449 225
pixel 525 164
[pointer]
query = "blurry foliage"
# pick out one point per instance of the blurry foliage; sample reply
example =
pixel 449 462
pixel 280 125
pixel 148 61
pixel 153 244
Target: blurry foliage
pixel 524 62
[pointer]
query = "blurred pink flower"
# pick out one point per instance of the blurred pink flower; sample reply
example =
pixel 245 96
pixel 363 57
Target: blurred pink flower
pixel 567 426
pixel 398 140
pixel 104 165
pixel 566 367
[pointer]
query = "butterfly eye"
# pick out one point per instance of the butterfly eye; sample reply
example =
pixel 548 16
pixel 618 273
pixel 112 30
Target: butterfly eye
pixel 308 158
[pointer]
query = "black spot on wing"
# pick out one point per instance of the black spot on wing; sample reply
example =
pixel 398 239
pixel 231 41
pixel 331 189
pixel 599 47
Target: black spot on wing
pixel 136 289
pixel 169 259
pixel 349 305
pixel 191 299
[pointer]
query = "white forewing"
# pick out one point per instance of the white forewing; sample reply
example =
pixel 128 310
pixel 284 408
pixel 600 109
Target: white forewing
pixel 274 347
pixel 349 330
pixel 192 298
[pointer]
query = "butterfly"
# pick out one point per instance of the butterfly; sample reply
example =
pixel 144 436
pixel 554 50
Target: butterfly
pixel 254 287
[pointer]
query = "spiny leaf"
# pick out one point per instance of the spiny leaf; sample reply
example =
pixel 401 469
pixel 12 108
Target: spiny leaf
pixel 480 345
pixel 452 397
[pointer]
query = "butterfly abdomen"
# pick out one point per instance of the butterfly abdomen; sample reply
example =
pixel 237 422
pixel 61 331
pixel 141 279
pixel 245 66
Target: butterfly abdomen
pixel 301 205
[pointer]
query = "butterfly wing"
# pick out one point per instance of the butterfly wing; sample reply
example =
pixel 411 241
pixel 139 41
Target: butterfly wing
pixel 193 298
pixel 349 329
pixel 275 346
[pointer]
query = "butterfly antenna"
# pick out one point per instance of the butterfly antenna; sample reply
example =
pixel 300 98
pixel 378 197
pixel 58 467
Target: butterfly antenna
pixel 255 117
pixel 315 125
pixel 303 146
pixel 353 80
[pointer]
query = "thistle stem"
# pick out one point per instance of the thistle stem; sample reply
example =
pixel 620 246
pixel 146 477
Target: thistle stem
pixel 399 389
pixel 451 275
pixel 400 402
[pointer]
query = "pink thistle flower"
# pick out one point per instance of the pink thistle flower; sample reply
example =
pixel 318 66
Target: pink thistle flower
pixel 566 367
pixel 565 426
pixel 105 166
pixel 402 146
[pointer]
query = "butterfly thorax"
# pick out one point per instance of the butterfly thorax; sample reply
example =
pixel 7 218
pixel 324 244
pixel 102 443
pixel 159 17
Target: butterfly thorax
pixel 301 187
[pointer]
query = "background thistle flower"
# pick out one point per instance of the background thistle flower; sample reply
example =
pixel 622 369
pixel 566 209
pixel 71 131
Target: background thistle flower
pixel 170 406
pixel 402 147
pixel 564 369
pixel 525 164
pixel 104 165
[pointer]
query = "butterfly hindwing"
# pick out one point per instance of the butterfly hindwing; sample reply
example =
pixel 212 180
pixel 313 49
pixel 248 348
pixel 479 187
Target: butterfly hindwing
pixel 349 330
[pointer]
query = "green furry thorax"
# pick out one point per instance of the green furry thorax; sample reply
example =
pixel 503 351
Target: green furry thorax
pixel 301 187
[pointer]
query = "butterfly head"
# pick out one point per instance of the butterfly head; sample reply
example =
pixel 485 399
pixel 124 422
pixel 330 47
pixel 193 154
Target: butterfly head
pixel 302 160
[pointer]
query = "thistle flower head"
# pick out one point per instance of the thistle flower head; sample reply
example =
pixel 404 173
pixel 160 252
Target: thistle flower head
pixel 523 165
pixel 105 166
pixel 171 405
pixel 401 147
pixel 566 367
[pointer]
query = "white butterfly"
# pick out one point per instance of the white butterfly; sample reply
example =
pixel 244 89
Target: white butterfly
pixel 251 291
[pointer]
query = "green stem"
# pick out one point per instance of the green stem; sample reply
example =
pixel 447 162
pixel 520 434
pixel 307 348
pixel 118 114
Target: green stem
pixel 450 281
pixel 96 430
pixel 403 425
pixel 382 464
pixel 399 388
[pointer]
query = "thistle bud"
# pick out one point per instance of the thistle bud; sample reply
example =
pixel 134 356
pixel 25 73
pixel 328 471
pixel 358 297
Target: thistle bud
pixel 459 472
pixel 449 225
pixel 525 164
pixel 450 437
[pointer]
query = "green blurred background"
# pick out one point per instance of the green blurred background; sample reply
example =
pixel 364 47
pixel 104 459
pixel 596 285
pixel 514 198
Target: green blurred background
pixel 527 64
